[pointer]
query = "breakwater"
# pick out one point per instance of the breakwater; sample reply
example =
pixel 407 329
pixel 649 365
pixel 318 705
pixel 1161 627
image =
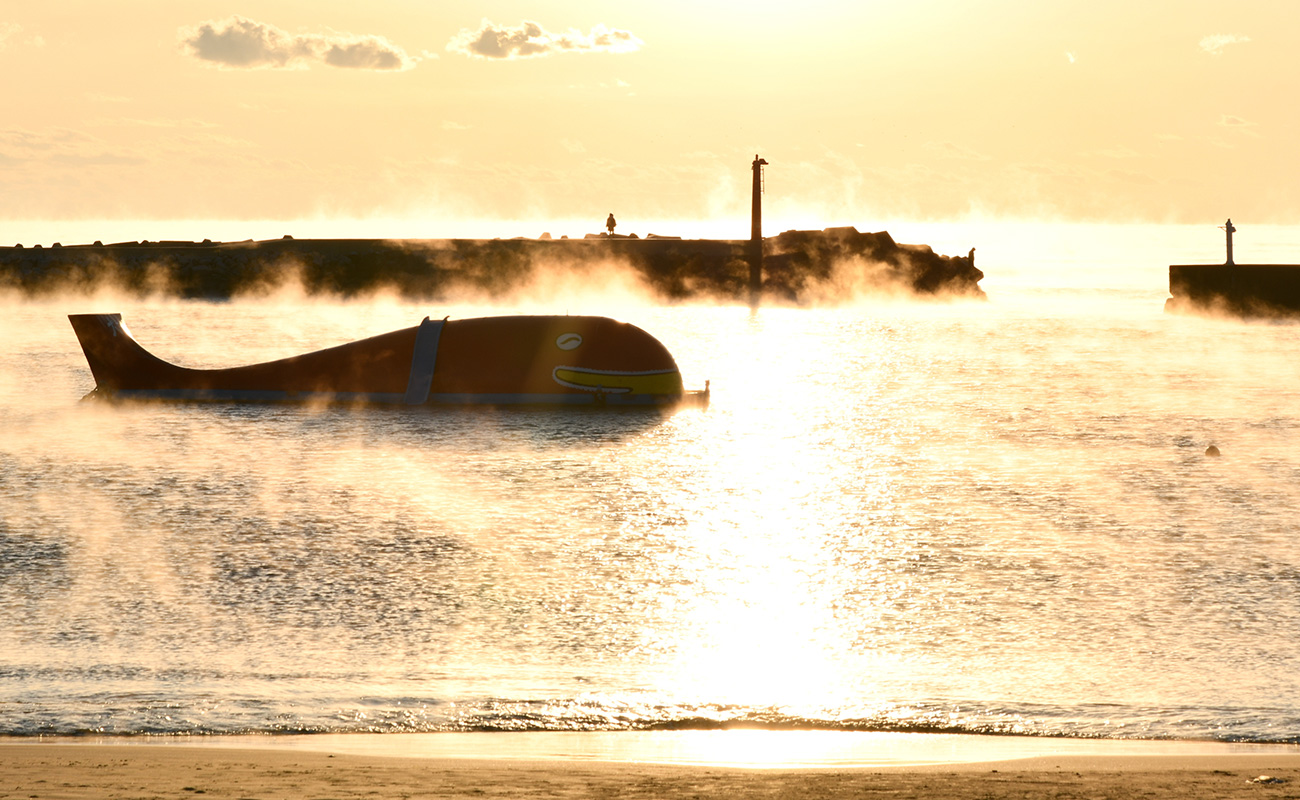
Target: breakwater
pixel 1246 290
pixel 798 266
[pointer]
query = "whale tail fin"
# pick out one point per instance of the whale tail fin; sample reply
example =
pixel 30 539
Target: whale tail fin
pixel 116 359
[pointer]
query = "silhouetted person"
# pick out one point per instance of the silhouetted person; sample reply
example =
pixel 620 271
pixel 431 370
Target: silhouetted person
pixel 971 256
pixel 610 223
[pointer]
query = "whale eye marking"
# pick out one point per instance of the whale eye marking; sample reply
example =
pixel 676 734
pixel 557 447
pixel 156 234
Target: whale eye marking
pixel 568 341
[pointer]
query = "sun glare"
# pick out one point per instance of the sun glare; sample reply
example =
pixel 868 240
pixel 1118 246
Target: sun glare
pixel 761 622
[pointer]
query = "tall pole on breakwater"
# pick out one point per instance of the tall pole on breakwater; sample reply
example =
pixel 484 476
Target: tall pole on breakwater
pixel 756 233
pixel 1229 230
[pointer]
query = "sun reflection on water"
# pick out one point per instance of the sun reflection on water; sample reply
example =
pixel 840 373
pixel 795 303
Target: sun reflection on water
pixel 780 520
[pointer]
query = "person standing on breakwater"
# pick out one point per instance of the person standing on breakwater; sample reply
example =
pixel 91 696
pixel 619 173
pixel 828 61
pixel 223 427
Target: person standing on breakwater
pixel 610 223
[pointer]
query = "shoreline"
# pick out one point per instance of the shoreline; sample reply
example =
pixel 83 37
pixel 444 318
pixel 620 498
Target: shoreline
pixel 282 767
pixel 724 749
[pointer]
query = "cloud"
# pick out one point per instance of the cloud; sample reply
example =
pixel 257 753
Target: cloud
pixel 603 86
pixel 1238 124
pixel 241 43
pixel 49 140
pixel 1127 176
pixel 156 122
pixel 530 40
pixel 957 151
pixel 245 44
pixel 8 31
pixel 370 52
pixel 1070 57
pixel 97 160
pixel 1215 43
pixel 12 33
pixel 1116 152
pixel 60 146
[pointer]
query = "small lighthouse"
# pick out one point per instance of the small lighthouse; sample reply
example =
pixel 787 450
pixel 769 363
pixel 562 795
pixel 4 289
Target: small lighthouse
pixel 1229 230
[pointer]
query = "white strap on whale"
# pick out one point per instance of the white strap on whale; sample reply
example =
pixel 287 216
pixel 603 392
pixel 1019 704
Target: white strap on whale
pixel 423 361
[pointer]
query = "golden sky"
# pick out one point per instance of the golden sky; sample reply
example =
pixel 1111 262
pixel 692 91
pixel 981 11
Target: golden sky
pixel 1155 110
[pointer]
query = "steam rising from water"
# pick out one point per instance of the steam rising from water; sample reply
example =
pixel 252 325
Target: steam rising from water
pixel 549 285
pixel 992 516
pixel 808 269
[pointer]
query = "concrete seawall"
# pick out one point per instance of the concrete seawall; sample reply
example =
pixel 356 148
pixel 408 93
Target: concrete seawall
pixel 1248 290
pixel 795 263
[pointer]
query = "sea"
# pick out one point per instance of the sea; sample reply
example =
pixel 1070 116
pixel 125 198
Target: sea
pixel 894 516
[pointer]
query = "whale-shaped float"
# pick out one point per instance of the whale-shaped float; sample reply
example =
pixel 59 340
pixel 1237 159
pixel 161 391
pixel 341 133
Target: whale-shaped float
pixel 509 360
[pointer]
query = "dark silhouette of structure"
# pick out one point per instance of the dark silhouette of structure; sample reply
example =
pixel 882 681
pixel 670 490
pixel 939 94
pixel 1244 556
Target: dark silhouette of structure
pixel 1245 290
pixel 787 267
pixel 671 267
pixel 756 233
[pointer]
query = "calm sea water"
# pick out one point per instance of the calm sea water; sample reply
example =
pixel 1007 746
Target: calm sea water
pixel 984 517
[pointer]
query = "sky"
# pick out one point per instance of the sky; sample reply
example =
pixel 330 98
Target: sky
pixel 442 113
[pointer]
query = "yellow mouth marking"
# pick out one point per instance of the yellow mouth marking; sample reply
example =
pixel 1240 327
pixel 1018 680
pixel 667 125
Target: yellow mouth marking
pixel 667 381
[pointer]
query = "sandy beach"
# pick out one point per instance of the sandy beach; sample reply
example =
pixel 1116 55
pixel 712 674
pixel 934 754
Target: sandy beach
pixel 65 770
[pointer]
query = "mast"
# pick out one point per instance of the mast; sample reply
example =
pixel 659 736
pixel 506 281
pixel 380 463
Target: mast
pixel 756 233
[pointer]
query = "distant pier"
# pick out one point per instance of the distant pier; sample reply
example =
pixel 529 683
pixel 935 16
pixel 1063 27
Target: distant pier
pixel 792 267
pixel 1244 290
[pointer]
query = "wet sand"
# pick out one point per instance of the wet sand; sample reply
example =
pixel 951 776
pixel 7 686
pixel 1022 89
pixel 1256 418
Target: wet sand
pixel 72 769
